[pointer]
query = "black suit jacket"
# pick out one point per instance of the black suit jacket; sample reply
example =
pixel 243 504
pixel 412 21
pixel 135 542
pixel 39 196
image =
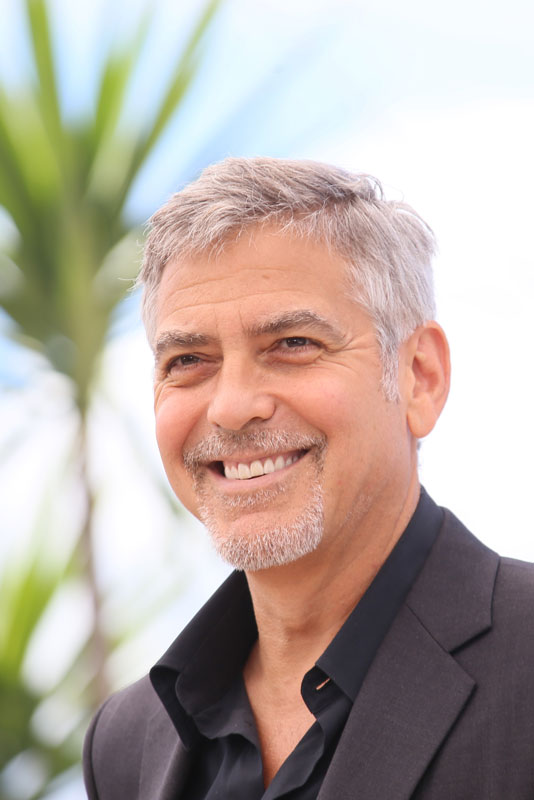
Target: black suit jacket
pixel 446 711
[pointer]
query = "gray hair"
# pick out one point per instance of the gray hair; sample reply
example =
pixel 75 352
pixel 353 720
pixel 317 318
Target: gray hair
pixel 387 246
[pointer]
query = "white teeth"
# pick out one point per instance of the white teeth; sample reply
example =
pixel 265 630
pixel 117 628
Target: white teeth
pixel 243 472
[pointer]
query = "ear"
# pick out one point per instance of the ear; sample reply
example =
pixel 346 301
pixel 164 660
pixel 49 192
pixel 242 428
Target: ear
pixel 427 370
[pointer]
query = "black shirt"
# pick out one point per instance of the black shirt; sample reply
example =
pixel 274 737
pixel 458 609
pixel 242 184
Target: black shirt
pixel 199 679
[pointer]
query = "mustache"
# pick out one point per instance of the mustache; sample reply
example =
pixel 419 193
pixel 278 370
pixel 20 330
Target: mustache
pixel 224 444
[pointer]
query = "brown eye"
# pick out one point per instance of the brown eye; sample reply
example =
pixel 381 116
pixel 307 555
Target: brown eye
pixel 187 360
pixel 182 362
pixel 296 349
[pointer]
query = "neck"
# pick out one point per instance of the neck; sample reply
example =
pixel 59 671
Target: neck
pixel 300 607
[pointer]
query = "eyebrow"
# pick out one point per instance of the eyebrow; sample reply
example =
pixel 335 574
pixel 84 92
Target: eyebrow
pixel 177 339
pixel 294 319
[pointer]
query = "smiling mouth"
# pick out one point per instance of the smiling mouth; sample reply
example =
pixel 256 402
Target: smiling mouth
pixel 255 468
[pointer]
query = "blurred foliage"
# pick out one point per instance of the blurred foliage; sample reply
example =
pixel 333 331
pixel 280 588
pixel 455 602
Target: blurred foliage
pixel 26 590
pixel 64 185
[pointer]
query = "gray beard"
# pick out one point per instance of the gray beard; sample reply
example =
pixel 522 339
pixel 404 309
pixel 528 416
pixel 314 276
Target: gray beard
pixel 253 549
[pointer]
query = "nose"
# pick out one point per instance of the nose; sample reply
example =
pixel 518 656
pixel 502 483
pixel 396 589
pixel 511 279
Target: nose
pixel 239 397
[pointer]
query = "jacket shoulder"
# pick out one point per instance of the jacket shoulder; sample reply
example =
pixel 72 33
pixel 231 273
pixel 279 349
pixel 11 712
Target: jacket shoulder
pixel 513 602
pixel 115 741
pixel 518 572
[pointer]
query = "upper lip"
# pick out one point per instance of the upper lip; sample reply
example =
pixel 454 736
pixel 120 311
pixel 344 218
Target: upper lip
pixel 246 447
pixel 248 459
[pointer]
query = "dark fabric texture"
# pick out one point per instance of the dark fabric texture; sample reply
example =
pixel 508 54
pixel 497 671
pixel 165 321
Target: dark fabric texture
pixel 445 712
pixel 199 679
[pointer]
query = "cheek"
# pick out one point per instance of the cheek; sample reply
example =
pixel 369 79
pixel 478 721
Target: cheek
pixel 173 424
pixel 329 408
pixel 167 432
pixel 172 428
pixel 357 423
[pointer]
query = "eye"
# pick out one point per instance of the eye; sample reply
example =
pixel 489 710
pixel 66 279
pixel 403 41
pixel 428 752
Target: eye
pixel 187 369
pixel 186 361
pixel 298 343
pixel 296 349
pixel 293 342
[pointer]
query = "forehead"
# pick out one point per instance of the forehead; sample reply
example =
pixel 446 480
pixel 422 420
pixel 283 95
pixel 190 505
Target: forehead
pixel 263 269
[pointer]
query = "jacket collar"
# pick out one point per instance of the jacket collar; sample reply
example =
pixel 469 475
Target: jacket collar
pixel 415 690
pixel 453 595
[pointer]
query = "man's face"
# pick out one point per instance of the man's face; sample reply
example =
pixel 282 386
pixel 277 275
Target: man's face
pixel 270 417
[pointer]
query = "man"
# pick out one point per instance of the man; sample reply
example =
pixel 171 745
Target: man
pixel 368 646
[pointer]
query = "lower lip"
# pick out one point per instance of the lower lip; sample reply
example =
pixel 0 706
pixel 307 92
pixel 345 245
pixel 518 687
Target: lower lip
pixel 234 484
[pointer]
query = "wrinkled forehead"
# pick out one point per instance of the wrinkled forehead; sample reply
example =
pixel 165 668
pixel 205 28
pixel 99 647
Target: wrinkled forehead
pixel 253 278
pixel 264 261
pixel 260 248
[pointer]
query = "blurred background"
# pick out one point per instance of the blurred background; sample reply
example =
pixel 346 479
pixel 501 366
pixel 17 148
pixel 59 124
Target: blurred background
pixel 105 109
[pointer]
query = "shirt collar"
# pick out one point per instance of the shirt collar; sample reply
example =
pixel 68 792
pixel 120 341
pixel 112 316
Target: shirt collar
pixel 211 651
pixel 349 655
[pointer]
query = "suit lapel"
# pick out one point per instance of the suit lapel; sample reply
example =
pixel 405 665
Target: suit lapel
pixel 411 697
pixel 415 690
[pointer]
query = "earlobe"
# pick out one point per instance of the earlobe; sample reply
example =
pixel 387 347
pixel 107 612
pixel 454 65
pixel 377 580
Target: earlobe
pixel 428 367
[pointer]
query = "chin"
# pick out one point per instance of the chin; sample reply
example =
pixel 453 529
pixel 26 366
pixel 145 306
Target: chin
pixel 251 547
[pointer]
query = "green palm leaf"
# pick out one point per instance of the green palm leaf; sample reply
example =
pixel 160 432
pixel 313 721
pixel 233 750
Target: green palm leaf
pixel 70 261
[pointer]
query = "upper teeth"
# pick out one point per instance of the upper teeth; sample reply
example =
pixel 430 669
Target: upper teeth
pixel 254 469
